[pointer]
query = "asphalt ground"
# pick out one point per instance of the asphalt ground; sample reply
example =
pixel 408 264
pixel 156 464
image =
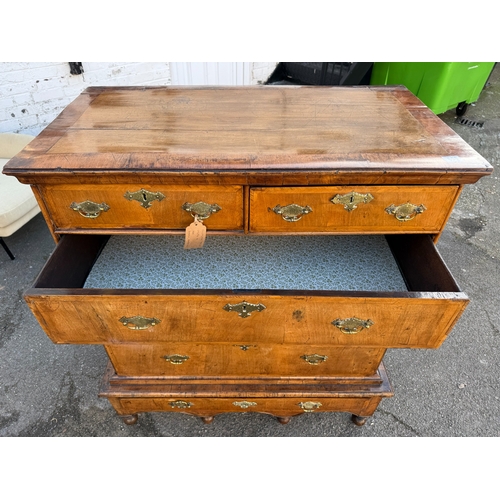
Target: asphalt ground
pixel 51 390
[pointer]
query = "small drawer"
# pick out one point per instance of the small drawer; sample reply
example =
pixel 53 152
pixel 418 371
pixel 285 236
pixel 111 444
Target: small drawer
pixel 296 292
pixel 351 209
pixel 120 206
pixel 232 360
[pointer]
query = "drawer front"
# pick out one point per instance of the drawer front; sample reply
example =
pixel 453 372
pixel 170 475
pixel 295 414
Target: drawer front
pixel 352 209
pixel 180 360
pixel 423 320
pixel 362 406
pixel 420 317
pixel 123 206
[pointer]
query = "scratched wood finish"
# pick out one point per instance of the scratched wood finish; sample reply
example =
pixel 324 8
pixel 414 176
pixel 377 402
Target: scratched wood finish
pixel 181 129
pixel 130 214
pixel 317 176
pixel 366 218
pixel 230 360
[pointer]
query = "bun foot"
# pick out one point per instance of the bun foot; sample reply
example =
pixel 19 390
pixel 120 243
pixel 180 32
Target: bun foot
pixel 207 420
pixel 359 420
pixel 284 420
pixel 130 419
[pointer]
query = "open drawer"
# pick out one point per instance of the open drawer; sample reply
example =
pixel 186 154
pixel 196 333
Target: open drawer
pixel 300 292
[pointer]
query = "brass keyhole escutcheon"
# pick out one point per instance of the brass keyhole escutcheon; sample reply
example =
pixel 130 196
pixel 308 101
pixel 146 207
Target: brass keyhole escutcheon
pixel 351 200
pixel 244 309
pixel 293 212
pixel 245 347
pixel 406 211
pixel 89 209
pixel 144 197
pixel 244 404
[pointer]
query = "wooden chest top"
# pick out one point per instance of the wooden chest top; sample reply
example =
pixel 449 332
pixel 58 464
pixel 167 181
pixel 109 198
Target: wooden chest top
pixel 378 132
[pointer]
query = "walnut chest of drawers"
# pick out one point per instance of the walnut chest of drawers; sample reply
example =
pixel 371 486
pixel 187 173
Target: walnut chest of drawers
pixel 322 207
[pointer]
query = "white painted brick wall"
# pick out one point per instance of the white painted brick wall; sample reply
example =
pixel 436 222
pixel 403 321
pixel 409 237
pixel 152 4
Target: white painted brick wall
pixel 32 94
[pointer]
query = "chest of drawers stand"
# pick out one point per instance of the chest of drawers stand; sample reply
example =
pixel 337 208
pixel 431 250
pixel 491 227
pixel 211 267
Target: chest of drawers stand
pixel 310 217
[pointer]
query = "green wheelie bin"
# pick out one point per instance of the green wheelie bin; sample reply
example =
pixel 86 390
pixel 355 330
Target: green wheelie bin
pixel 439 85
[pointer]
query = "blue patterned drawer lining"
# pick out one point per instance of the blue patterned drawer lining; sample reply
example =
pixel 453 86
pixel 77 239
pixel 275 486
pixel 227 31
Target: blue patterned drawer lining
pixel 248 262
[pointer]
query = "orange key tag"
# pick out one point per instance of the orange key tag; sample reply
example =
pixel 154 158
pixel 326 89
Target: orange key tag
pixel 196 233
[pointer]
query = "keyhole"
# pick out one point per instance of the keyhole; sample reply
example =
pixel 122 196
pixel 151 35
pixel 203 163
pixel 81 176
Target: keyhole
pixel 144 197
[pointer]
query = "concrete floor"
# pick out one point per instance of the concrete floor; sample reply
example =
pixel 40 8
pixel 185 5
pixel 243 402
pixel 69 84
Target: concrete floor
pixel 51 390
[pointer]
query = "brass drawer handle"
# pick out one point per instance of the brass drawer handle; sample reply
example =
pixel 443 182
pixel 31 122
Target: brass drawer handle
pixel 175 359
pixel 310 406
pixel 405 212
pixel 314 359
pixel 351 326
pixel 180 404
pixel 244 404
pixel 244 309
pixel 145 198
pixel 201 209
pixel 89 209
pixel 351 200
pixel 138 322
pixel 293 212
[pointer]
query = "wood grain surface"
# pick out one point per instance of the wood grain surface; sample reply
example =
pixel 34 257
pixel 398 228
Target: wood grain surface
pixel 227 360
pixel 366 218
pixel 421 317
pixel 129 214
pixel 217 129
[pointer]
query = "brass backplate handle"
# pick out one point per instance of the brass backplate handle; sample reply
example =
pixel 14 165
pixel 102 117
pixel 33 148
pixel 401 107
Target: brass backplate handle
pixel 244 309
pixel 144 197
pixel 138 322
pixel 405 212
pixel 310 406
pixel 175 359
pixel 314 359
pixel 201 209
pixel 293 212
pixel 350 326
pixel 89 209
pixel 180 404
pixel 351 200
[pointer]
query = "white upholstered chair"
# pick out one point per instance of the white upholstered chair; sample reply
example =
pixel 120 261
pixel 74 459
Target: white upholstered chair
pixel 17 202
